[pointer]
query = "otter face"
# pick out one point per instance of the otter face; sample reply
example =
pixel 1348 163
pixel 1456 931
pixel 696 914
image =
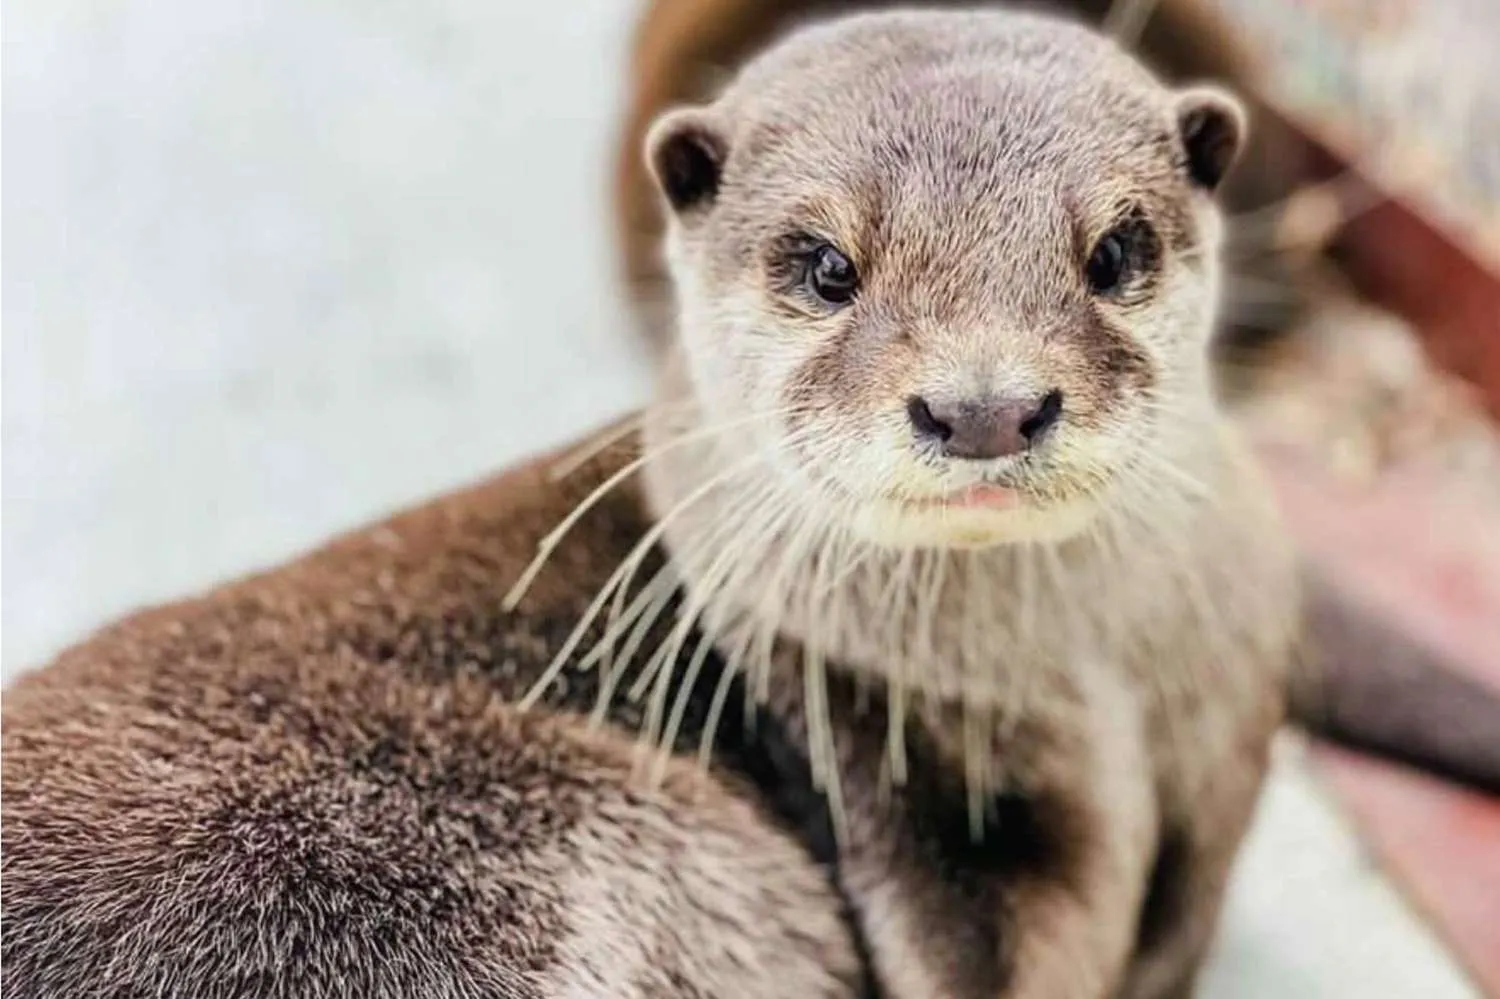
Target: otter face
pixel 957 270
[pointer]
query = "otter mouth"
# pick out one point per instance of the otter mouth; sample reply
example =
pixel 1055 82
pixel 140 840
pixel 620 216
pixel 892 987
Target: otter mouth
pixel 979 496
pixel 975 515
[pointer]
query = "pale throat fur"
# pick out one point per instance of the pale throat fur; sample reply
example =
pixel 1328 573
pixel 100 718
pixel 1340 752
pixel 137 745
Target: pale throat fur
pixel 871 231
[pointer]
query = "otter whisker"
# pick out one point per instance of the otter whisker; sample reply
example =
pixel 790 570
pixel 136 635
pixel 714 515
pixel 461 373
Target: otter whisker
pixel 643 626
pixel 648 606
pixel 807 535
pixel 1018 681
pixel 649 539
pixel 595 446
pixel 861 558
pixel 622 617
pixel 898 599
pixel 727 526
pixel 926 568
pixel 549 543
pixel 657 592
pixel 707 585
pixel 734 666
pixel 932 561
pixel 815 685
pixel 743 563
pixel 976 753
pixel 821 746
pixel 942 559
pixel 659 668
pixel 796 546
pixel 976 737
pixel 724 528
pixel 679 706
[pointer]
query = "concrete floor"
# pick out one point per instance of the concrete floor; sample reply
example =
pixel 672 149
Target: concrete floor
pixel 272 269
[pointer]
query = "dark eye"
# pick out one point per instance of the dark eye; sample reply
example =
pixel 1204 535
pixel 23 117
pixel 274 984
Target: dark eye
pixel 1106 264
pixel 1126 259
pixel 831 275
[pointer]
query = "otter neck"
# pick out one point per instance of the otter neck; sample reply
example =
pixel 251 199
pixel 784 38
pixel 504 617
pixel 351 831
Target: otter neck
pixel 759 564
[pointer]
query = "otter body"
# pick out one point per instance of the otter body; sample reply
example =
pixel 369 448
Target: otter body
pixel 316 782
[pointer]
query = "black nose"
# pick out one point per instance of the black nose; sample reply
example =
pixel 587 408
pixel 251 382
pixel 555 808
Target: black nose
pixel 985 428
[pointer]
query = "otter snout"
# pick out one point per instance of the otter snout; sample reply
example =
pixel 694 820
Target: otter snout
pixel 985 428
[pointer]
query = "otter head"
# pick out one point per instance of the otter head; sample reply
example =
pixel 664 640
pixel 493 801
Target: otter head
pixel 956 270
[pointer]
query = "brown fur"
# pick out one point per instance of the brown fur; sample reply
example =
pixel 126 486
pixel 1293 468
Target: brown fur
pixel 312 783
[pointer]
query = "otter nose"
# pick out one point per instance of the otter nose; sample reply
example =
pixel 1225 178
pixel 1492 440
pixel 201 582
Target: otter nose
pixel 984 428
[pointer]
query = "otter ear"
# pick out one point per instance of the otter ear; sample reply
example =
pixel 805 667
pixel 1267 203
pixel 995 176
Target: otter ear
pixel 1211 125
pixel 685 150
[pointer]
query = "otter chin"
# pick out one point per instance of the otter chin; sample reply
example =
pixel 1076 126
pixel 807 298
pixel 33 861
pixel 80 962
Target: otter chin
pixel 977 516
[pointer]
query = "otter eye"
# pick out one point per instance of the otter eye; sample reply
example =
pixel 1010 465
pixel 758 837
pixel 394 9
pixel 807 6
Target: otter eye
pixel 1126 259
pixel 1106 264
pixel 831 275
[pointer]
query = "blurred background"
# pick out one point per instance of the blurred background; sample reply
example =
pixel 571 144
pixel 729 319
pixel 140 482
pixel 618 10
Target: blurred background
pixel 273 269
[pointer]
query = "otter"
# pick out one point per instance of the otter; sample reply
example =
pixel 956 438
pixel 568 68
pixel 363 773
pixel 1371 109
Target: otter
pixel 925 635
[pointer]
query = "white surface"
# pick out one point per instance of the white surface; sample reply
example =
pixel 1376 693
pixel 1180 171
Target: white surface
pixel 271 269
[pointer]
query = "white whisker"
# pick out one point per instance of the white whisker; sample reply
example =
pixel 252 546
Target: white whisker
pixel 550 542
pixel 647 541
pixel 595 446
